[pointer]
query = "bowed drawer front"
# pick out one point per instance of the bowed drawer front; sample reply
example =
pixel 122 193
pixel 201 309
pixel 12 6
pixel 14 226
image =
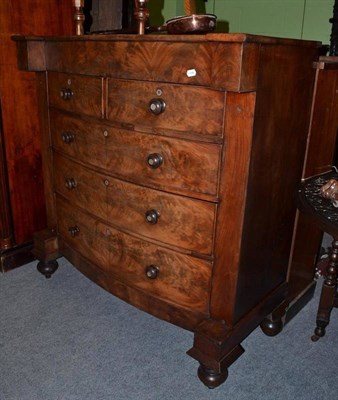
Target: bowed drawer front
pixel 136 262
pixel 161 216
pixel 164 162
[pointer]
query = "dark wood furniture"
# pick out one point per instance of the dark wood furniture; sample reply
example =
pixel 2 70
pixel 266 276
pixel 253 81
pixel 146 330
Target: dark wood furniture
pixel 324 215
pixel 171 169
pixel 22 204
pixel 320 155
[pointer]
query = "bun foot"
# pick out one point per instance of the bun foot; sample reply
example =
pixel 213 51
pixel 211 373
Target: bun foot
pixel 211 378
pixel 272 328
pixel 47 268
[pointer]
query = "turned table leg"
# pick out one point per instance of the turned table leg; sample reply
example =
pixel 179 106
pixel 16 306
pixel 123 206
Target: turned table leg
pixel 328 294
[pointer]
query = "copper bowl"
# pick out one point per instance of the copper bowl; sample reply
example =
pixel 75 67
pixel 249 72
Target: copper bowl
pixel 195 23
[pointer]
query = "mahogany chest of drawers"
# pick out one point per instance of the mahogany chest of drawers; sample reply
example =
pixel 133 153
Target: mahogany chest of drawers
pixel 171 171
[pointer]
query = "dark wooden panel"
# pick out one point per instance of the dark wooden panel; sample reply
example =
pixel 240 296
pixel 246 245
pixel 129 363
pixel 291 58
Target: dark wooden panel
pixel 239 120
pixel 6 231
pixel 324 123
pixel 319 158
pixel 19 109
pixel 278 152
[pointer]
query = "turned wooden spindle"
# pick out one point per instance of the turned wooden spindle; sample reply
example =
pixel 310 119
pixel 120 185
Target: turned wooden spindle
pixel 189 7
pixel 141 15
pixel 79 17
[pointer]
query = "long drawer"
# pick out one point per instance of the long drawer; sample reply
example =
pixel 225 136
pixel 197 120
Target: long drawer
pixel 172 276
pixel 192 109
pixel 157 215
pixel 173 164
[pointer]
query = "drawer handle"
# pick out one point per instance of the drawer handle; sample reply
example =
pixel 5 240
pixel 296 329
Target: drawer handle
pixel 154 160
pixel 152 271
pixel 71 183
pixel 66 93
pixel 68 137
pixel 74 231
pixel 157 106
pixel 152 216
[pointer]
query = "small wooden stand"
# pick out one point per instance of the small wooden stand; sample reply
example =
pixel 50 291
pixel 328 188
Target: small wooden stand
pixel 142 15
pixel 189 7
pixel 79 17
pixel 325 216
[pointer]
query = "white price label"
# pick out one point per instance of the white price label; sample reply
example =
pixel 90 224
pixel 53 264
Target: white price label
pixel 191 73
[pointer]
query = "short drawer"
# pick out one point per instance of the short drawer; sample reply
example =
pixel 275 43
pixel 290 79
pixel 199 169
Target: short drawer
pixel 80 186
pixel 76 93
pixel 169 275
pixel 191 109
pixel 171 164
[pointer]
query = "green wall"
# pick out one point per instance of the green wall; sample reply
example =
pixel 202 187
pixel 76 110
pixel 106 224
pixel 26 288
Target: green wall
pixel 302 19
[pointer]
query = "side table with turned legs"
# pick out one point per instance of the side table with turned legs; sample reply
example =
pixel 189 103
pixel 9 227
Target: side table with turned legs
pixel 324 214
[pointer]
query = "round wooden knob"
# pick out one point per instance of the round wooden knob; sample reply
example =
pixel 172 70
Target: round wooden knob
pixel 71 183
pixel 152 216
pixel 74 231
pixel 66 93
pixel 152 271
pixel 68 137
pixel 157 106
pixel 154 160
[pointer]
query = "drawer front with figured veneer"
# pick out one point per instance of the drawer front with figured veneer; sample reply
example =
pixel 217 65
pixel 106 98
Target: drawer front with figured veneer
pixel 161 216
pixel 79 139
pixel 181 279
pixel 82 187
pixel 178 278
pixel 77 93
pixel 161 106
pixel 172 164
pixel 80 232
pixel 157 215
